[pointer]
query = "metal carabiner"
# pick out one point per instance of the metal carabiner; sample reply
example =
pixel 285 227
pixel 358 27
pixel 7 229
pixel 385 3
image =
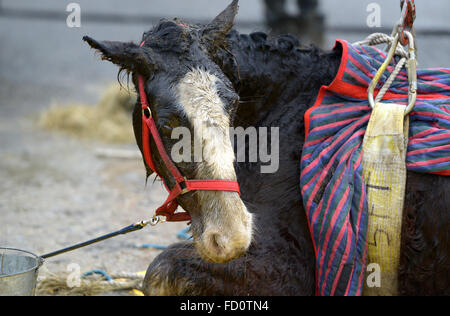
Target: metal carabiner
pixel 412 74
pixel 147 112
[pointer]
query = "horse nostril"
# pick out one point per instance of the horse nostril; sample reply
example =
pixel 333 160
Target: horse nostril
pixel 216 242
pixel 218 247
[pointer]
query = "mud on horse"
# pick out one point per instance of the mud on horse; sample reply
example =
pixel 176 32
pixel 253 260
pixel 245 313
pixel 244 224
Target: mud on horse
pixel 191 70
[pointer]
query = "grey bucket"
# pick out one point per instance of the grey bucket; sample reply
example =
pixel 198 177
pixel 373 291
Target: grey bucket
pixel 18 272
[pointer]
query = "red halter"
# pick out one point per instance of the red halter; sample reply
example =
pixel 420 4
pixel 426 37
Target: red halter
pixel 183 185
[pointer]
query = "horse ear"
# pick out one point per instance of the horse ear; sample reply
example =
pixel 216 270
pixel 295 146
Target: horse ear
pixel 216 31
pixel 126 55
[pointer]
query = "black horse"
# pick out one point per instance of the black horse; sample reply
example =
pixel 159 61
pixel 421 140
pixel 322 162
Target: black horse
pixel 277 80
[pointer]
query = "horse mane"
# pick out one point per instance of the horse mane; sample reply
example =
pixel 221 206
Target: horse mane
pixel 168 36
pixel 287 55
pixel 270 72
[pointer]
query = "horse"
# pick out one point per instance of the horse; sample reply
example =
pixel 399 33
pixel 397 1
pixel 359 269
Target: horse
pixel 261 243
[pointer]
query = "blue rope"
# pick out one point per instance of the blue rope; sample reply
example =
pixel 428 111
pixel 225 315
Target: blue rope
pixel 148 246
pixel 184 234
pixel 101 272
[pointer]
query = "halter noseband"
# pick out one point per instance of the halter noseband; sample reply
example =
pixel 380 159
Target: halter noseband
pixel 182 185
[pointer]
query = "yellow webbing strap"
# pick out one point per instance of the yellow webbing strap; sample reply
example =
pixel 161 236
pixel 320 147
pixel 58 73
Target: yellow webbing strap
pixel 384 154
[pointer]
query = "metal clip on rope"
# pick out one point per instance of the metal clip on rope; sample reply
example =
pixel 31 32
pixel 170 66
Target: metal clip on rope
pixel 412 72
pixel 156 220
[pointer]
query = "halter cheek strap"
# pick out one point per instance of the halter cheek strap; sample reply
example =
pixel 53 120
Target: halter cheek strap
pixel 182 185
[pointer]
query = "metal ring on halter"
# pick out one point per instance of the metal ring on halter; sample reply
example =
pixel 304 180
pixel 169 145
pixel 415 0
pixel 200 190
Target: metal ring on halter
pixel 149 112
pixel 412 72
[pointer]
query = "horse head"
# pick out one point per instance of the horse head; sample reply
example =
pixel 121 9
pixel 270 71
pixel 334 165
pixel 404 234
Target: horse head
pixel 186 89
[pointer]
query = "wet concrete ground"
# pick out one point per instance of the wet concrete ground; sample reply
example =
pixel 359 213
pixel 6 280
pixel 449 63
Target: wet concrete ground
pixel 54 190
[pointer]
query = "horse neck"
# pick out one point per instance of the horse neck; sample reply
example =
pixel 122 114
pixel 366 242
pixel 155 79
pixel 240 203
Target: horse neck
pixel 271 72
pixel 277 81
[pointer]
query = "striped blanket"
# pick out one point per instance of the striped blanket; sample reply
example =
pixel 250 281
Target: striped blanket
pixel 332 181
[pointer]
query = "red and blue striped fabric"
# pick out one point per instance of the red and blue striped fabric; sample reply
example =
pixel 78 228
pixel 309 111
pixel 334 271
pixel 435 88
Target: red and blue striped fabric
pixel 331 179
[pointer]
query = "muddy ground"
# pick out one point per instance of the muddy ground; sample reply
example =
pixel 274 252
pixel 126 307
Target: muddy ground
pixel 55 191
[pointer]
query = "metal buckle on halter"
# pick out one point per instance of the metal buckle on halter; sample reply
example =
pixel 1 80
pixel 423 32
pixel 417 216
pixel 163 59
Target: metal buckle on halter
pixel 184 187
pixel 149 112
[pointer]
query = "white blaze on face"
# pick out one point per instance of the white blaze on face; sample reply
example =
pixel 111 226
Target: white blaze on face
pixel 197 93
pixel 227 233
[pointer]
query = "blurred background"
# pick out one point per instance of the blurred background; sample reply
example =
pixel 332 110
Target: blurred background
pixel 68 167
